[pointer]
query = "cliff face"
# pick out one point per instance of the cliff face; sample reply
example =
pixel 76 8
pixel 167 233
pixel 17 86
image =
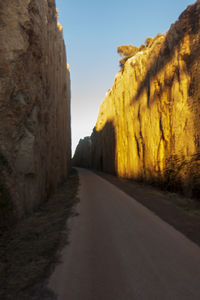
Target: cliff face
pixel 82 155
pixel 35 138
pixel 153 112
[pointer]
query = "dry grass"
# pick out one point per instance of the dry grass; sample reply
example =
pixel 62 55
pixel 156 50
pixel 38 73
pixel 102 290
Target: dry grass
pixel 30 250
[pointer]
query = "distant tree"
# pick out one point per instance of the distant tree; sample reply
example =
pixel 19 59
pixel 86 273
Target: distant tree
pixel 127 50
pixel 148 41
pixel 142 47
pixel 122 61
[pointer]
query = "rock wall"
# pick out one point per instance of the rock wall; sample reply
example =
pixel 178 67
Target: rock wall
pixel 82 155
pixel 153 109
pixel 35 134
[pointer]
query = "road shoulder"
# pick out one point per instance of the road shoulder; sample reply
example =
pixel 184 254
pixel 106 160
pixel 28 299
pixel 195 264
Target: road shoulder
pixel 180 212
pixel 30 250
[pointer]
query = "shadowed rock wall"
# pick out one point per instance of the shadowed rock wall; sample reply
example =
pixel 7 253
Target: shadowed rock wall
pixel 35 134
pixel 97 151
pixel 154 107
pixel 82 157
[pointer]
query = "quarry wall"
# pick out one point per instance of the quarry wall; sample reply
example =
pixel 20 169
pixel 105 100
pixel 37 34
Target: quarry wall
pixel 35 134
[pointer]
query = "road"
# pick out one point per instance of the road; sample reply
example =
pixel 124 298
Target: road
pixel 119 250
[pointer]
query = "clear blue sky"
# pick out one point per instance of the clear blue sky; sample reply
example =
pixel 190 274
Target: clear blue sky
pixel 92 31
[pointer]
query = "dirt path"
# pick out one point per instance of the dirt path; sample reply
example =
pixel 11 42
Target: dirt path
pixel 120 250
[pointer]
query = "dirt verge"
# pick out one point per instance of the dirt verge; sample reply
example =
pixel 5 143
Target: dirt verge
pixel 30 250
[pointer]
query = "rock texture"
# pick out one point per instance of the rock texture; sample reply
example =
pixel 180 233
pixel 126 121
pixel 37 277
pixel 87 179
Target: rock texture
pixel 82 155
pixel 153 112
pixel 35 135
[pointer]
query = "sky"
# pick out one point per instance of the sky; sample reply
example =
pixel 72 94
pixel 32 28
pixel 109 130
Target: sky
pixel 92 31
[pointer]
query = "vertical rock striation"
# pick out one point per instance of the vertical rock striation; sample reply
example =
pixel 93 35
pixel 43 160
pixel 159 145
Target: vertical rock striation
pixel 35 134
pixel 154 111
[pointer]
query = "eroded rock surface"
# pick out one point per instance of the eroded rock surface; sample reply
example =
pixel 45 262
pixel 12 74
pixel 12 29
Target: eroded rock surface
pixel 35 138
pixel 153 109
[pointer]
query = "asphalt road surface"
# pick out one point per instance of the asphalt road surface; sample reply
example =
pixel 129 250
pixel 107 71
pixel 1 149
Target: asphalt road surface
pixel 119 250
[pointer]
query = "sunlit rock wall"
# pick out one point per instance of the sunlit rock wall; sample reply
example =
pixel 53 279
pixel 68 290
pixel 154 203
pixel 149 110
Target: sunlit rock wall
pixel 35 135
pixel 154 110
